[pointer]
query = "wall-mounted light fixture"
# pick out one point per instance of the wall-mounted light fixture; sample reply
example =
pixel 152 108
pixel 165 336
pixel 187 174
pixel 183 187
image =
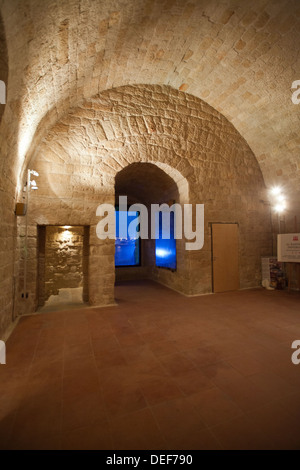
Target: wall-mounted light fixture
pixel 279 205
pixel 33 185
pixel 30 185
pixel 278 200
pixel 21 207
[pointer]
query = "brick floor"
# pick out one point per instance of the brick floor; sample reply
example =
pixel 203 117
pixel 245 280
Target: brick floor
pixel 158 371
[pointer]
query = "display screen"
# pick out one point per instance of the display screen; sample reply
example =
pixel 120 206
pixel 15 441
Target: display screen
pixel 165 249
pixel 127 251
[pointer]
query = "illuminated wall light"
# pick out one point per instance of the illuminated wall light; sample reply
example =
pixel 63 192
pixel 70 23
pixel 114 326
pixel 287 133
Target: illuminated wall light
pixel 279 208
pixel 30 184
pixel 33 184
pixel 66 236
pixel 278 200
pixel 275 191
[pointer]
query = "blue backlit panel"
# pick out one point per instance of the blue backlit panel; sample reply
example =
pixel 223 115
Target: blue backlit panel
pixel 165 249
pixel 127 251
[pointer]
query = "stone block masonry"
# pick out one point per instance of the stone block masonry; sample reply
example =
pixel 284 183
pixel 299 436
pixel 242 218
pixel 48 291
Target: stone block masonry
pixel 63 258
pixel 57 56
pixel 199 150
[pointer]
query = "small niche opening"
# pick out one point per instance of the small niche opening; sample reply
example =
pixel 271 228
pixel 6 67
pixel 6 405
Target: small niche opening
pixel 63 267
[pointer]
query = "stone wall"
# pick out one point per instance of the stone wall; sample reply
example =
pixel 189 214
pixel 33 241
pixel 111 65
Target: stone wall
pixel 8 232
pixel 63 259
pixel 240 60
pixel 207 159
pixel 227 53
pixel 223 53
pixel 3 64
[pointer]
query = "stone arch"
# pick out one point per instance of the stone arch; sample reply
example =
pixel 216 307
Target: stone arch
pixel 153 183
pixel 180 181
pixel 79 157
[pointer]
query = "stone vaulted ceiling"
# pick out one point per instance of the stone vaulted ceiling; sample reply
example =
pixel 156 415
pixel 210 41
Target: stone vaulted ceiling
pixel 240 57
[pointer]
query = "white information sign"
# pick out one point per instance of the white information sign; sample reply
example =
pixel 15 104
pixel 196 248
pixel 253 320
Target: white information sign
pixel 288 247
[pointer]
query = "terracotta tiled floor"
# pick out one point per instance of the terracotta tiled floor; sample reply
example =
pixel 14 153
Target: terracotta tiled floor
pixel 158 371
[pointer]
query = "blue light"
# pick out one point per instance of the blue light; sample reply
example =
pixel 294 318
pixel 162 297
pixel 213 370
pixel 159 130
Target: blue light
pixel 165 249
pixel 160 253
pixel 127 252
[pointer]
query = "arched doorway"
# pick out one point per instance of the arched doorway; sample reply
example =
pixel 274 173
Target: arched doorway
pixel 148 184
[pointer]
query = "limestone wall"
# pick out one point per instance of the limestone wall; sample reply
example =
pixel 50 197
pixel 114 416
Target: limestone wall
pixel 63 259
pixel 197 147
pixel 240 59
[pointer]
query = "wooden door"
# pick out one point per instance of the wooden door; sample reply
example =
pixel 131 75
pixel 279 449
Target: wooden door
pixel 225 250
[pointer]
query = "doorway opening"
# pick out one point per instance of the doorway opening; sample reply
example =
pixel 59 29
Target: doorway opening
pixel 63 254
pixel 148 184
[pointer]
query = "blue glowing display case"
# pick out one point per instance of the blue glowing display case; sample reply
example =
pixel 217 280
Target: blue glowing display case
pixel 127 249
pixel 165 248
